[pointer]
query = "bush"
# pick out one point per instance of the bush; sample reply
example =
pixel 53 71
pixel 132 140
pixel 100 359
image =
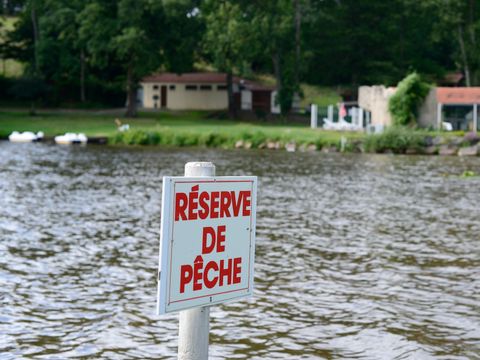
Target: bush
pixel 403 105
pixel 255 138
pixel 397 139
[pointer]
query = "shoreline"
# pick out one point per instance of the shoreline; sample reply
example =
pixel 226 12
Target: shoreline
pixel 202 130
pixel 433 150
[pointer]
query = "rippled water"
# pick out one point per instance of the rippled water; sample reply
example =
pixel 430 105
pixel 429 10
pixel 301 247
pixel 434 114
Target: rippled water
pixel 365 257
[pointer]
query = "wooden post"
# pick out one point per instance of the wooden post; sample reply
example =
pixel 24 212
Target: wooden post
pixel 194 324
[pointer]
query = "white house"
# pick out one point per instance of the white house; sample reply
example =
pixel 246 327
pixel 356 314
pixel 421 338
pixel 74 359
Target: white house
pixel 203 91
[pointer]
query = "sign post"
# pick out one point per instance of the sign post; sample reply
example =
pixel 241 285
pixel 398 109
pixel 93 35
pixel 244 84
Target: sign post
pixel 207 249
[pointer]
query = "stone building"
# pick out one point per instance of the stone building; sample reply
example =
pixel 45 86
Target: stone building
pixel 374 101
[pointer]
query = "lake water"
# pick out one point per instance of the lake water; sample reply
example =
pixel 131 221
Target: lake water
pixel 358 256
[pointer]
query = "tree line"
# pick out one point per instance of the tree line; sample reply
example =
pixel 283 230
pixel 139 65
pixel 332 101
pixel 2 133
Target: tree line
pixel 92 50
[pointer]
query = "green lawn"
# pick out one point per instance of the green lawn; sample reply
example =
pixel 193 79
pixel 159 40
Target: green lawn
pixel 186 125
pixel 312 94
pixel 322 96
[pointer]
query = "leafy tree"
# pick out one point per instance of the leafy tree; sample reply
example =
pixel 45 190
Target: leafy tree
pixel 367 42
pixel 260 32
pixel 22 43
pixel 403 105
pixel 61 52
pixel 126 31
pixel 226 40
pixel 460 23
pixel 184 29
pixel 274 20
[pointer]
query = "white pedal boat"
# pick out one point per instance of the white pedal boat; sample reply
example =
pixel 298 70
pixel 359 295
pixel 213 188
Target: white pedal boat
pixel 71 138
pixel 26 136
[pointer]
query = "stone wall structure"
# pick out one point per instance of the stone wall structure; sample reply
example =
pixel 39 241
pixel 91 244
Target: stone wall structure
pixel 375 100
pixel 428 111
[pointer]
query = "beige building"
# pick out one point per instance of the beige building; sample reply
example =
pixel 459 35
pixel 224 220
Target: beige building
pixel 202 91
pixel 374 99
pixel 193 91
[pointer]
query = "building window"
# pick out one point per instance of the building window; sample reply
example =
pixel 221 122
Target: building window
pixel 221 87
pixel 155 87
pixel 205 87
pixel 172 87
pixel 191 87
pixel 155 97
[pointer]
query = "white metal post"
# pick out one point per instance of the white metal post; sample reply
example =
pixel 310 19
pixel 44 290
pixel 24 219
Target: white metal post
pixel 314 116
pixel 475 117
pixel 330 113
pixel 194 324
pixel 354 115
pixel 439 116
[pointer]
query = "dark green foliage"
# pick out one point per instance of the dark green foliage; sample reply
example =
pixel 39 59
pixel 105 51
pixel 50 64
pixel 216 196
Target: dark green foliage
pixel 91 50
pixel 403 105
pixel 375 42
pixel 5 84
pixel 29 89
pixel 101 46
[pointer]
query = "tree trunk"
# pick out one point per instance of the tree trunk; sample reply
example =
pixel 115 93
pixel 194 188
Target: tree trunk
pixel 232 111
pixel 471 25
pixel 131 94
pixel 464 57
pixel 32 111
pixel 36 36
pixel 82 76
pixel 472 28
pixel 277 70
pixel 278 75
pixel 298 23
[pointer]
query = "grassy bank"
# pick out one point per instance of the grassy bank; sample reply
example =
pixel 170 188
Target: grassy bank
pixel 201 129
pixel 169 128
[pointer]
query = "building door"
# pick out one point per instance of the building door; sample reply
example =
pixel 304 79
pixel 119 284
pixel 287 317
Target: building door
pixel 164 96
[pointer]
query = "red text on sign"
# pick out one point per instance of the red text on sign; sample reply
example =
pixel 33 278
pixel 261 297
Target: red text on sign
pixel 225 272
pixel 210 238
pixel 215 204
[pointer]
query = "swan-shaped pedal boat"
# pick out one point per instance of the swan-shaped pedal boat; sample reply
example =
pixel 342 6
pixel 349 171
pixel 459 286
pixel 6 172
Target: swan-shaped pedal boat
pixel 26 136
pixel 71 138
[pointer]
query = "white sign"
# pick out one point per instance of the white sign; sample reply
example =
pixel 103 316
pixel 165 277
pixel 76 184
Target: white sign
pixel 207 244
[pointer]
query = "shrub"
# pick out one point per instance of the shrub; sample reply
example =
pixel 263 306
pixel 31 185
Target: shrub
pixel 403 105
pixel 397 139
pixel 255 138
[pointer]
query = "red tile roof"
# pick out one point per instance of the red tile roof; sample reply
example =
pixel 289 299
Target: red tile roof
pixel 452 78
pixel 198 77
pixel 253 86
pixel 459 95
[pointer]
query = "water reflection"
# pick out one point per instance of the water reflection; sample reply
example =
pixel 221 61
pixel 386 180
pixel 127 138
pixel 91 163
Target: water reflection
pixel 366 257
